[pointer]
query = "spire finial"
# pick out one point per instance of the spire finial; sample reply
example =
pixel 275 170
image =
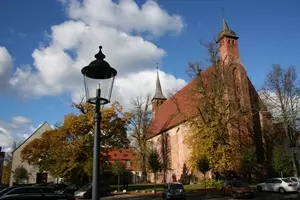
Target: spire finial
pixel 100 55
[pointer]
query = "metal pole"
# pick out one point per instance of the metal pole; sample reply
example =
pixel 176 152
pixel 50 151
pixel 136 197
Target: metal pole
pixel 96 154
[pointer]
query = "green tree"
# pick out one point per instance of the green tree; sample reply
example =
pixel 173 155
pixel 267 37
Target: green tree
pixel 20 174
pixel 203 166
pixel 248 162
pixel 118 169
pixel 155 165
pixel 281 161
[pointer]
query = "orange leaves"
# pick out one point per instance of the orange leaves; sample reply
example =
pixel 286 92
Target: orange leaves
pixel 67 151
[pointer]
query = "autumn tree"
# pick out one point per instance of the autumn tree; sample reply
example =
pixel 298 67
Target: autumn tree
pixel 217 112
pixel 20 174
pixel 139 123
pixel 7 165
pixel 281 93
pixel 67 150
pixel 155 165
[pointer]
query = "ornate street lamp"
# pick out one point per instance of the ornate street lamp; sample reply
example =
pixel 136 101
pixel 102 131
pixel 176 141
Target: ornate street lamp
pixel 98 75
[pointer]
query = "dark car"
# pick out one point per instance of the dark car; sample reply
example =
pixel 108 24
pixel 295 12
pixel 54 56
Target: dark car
pixel 68 190
pixel 237 189
pixel 6 190
pixel 38 197
pixel 29 190
pixel 174 191
pixel 3 186
pixel 86 191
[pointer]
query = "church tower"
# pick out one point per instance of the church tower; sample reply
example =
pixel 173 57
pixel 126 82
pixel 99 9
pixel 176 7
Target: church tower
pixel 228 43
pixel 158 98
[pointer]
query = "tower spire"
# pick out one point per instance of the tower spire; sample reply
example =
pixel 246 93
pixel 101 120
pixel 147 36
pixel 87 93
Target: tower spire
pixel 158 91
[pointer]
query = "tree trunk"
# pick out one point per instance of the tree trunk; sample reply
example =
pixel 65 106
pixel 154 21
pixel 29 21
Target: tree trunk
pixel 118 182
pixel 205 183
pixel 295 165
pixel 155 176
pixel 281 174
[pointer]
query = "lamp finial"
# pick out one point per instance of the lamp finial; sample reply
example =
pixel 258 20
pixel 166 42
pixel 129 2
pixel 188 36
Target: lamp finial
pixel 100 55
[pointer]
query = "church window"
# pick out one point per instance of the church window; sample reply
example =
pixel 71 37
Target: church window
pixel 128 164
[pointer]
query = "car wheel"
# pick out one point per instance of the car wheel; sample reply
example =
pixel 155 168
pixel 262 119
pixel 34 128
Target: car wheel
pixel 223 193
pixel 281 190
pixel 234 195
pixel 259 188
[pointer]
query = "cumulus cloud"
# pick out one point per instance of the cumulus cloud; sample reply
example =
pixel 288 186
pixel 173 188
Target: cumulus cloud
pixel 19 120
pixel 57 65
pixel 5 67
pixel 16 130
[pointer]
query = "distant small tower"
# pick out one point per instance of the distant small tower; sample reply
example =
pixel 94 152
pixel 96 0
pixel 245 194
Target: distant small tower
pixel 228 43
pixel 158 98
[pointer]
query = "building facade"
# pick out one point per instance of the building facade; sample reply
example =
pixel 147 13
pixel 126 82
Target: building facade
pixel 34 175
pixel 169 117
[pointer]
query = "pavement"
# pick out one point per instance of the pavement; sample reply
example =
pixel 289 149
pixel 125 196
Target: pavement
pixel 202 195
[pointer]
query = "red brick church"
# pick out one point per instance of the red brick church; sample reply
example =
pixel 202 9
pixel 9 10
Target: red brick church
pixel 168 122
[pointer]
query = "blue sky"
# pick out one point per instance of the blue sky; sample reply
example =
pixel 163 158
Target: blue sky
pixel 268 34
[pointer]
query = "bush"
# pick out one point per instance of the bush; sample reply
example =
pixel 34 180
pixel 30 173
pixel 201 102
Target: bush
pixel 212 183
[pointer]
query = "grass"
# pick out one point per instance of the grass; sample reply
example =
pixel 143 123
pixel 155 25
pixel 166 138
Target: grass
pixel 159 187
pixel 150 187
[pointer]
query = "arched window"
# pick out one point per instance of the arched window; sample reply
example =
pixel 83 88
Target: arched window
pixel 128 164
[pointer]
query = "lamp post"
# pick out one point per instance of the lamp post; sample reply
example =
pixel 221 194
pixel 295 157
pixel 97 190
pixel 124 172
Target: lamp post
pixel 98 75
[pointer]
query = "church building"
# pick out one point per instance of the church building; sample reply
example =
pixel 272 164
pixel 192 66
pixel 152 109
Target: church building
pixel 170 124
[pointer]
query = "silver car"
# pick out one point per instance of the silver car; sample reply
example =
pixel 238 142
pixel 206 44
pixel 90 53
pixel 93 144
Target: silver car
pixel 281 185
pixel 174 191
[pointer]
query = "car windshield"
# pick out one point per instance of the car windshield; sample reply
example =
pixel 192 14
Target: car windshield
pixel 287 180
pixel 239 184
pixel 176 186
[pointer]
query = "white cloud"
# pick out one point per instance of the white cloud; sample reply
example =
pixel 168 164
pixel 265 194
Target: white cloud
pixel 21 120
pixel 5 67
pixel 57 65
pixel 16 130
pixel 126 16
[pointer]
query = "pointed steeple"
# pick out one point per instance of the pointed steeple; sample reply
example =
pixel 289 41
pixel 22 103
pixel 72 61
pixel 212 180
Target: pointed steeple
pixel 225 25
pixel 158 98
pixel 226 32
pixel 228 43
pixel 158 91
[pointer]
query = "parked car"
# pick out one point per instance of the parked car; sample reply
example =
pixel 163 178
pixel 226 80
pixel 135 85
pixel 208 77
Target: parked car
pixel 29 190
pixel 174 191
pixel 38 197
pixel 2 186
pixel 6 190
pixel 295 179
pixel 237 189
pixel 68 190
pixel 281 185
pixel 86 191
